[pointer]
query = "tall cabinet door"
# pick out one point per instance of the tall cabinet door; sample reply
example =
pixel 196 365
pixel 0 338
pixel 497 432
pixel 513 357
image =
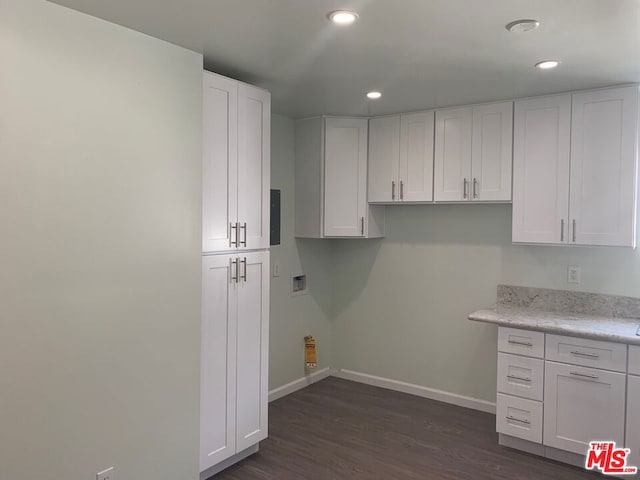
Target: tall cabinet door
pixel 581 405
pixel 492 155
pixel 541 143
pixel 218 364
pixel 604 135
pixel 252 357
pixel 453 155
pixel 384 152
pixel 254 146
pixel 220 162
pixel 416 157
pixel 345 174
pixel 633 419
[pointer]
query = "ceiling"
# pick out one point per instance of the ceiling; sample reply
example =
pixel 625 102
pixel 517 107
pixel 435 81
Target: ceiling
pixel 419 53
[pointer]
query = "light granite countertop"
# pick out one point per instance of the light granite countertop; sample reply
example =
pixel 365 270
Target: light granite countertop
pixel 621 330
pixel 578 314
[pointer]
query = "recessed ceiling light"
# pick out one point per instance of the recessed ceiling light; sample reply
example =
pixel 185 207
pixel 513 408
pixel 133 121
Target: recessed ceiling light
pixel 374 95
pixel 547 64
pixel 524 25
pixel 343 17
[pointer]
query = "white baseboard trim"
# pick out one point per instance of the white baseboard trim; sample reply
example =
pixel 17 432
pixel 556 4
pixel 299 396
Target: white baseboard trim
pixel 299 384
pixel 419 390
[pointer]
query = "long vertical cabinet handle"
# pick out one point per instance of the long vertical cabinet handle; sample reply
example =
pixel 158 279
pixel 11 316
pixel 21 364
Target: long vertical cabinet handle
pixel 244 240
pixel 362 226
pixel 562 230
pixel 244 270
pixel 233 243
pixel 234 264
pixel 393 190
pixel 475 188
pixel 401 190
pixel 464 188
pixel 574 230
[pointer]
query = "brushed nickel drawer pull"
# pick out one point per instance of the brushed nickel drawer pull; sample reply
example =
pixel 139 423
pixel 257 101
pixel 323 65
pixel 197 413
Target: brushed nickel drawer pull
pixel 244 226
pixel 584 375
pixel 393 190
pixel 523 344
pixel 244 275
pixel 233 243
pixel 514 419
pixel 562 230
pixel 585 354
pixel 515 377
pixel 401 190
pixel 464 188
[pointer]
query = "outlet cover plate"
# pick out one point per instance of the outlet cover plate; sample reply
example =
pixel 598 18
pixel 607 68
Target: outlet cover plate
pixel 574 274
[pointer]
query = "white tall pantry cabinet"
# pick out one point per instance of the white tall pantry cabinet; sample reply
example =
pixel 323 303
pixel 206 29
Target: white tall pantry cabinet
pixel 235 273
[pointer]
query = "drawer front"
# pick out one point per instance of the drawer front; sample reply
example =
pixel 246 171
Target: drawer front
pixel 521 342
pixel 634 359
pixel 588 353
pixel 521 376
pixel 519 418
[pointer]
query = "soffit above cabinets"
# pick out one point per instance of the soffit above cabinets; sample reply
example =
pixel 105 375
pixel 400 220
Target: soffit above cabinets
pixel 420 54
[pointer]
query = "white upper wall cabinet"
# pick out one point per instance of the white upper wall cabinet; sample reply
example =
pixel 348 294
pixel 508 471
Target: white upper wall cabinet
pixel 575 168
pixel 452 159
pixel 236 165
pixel 491 152
pixel 331 180
pixel 473 154
pixel 542 136
pixel 604 132
pixel 384 159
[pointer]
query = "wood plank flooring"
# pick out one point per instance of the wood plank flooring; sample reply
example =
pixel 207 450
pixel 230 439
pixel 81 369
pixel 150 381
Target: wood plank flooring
pixel 336 429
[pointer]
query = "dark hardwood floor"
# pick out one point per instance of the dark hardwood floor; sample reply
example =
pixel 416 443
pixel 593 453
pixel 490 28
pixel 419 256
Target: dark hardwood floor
pixel 336 429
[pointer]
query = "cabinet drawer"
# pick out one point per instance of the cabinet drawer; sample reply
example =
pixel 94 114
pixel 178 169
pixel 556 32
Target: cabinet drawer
pixel 634 359
pixel 521 342
pixel 519 418
pixel 521 376
pixel 588 353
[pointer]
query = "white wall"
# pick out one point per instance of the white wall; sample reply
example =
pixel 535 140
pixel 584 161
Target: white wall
pixel 401 302
pixel 100 199
pixel 294 317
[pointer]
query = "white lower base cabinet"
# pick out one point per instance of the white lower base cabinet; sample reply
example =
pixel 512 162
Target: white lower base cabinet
pixel 234 369
pixel 581 405
pixel 633 420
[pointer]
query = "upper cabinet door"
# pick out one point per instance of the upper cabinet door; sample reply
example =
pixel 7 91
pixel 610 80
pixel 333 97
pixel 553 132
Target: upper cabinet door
pixel 384 153
pixel 603 167
pixel 542 132
pixel 453 155
pixel 492 153
pixel 345 175
pixel 254 146
pixel 218 360
pixel 416 157
pixel 220 163
pixel 252 358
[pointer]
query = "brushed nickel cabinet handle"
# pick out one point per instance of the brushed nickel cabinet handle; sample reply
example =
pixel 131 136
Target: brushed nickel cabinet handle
pixel 515 377
pixel 464 188
pixel 234 263
pixel 524 344
pixel 514 419
pixel 585 354
pixel 401 190
pixel 244 275
pixel 362 226
pixel 233 228
pixel 244 242
pixel 562 230
pixel 574 230
pixel 584 375
pixel 475 188
pixel 393 190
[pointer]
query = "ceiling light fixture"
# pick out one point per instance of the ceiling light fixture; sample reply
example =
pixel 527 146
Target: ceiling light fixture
pixel 521 26
pixel 343 17
pixel 547 64
pixel 373 95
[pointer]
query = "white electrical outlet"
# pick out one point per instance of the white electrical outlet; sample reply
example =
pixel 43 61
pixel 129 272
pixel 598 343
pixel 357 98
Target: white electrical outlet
pixel 276 269
pixel 107 474
pixel 574 274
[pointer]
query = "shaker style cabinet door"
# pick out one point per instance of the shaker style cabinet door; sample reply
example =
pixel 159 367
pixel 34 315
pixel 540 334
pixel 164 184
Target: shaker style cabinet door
pixel 452 176
pixel 345 176
pixel 220 163
pixel 604 134
pixel 218 365
pixel 633 420
pixel 254 146
pixel 252 357
pixel 384 151
pixel 492 155
pixel 416 157
pixel 541 149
